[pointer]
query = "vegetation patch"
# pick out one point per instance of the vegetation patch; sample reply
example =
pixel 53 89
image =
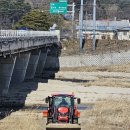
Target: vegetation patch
pixel 111 68
pixel 107 115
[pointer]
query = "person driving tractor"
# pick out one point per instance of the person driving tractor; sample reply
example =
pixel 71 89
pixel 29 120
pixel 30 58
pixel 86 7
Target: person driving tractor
pixel 63 102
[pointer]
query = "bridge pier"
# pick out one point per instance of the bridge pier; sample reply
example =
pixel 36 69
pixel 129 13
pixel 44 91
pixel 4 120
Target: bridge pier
pixel 6 70
pixel 32 65
pixel 41 62
pixel 52 64
pixel 20 68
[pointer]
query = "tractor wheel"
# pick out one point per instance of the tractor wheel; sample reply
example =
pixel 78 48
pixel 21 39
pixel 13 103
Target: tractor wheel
pixel 71 120
pixel 75 121
pixel 49 121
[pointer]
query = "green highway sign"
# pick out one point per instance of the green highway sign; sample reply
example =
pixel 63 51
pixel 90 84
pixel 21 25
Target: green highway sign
pixel 62 0
pixel 58 7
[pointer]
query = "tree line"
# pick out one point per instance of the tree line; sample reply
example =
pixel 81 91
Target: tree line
pixel 11 11
pixel 19 14
pixel 107 9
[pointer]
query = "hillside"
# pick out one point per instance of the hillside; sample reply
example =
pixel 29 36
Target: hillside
pixel 42 4
pixel 106 9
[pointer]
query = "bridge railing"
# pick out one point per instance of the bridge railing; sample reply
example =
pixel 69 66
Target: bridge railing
pixel 26 33
pixel 11 41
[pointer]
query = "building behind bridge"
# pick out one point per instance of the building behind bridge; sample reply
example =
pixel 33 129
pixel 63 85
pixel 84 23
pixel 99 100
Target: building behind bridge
pixel 107 29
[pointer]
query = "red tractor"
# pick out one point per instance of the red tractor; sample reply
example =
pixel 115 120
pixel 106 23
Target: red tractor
pixel 62 112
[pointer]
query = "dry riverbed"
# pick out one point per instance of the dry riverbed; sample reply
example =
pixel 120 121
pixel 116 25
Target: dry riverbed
pixel 105 115
pixel 108 89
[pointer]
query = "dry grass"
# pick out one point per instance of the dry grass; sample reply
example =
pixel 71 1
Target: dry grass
pixel 112 68
pixel 109 82
pixel 107 115
pixel 103 46
pixel 23 121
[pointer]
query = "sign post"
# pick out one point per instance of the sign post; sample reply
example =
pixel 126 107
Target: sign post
pixel 58 7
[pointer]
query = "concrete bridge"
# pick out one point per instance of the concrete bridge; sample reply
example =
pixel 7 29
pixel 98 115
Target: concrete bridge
pixel 25 55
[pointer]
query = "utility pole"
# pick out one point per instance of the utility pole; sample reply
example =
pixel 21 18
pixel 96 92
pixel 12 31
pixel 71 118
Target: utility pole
pixel 81 24
pixel 94 24
pixel 73 12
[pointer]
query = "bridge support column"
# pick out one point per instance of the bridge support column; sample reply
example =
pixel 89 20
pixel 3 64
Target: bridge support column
pixel 32 65
pixel 6 70
pixel 20 68
pixel 41 62
pixel 52 64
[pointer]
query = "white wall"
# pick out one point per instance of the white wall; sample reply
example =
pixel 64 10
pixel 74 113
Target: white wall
pixel 107 35
pixel 123 36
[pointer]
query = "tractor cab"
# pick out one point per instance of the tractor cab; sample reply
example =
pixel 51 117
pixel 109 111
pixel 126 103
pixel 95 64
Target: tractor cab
pixel 60 100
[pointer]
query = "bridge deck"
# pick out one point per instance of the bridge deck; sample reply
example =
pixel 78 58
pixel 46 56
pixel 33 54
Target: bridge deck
pixel 13 41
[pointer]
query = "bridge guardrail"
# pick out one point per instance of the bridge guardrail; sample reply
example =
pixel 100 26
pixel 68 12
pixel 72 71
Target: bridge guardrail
pixel 27 33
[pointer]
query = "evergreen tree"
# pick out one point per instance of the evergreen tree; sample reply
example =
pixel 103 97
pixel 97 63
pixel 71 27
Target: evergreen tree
pixel 39 20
